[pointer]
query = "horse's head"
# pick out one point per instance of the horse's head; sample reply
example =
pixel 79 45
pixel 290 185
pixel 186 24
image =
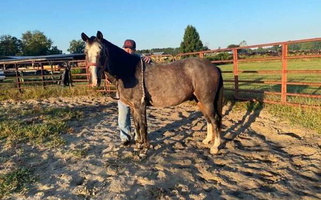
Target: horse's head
pixel 96 57
pixel 103 56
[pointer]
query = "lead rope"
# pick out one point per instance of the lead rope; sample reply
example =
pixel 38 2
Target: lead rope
pixel 143 80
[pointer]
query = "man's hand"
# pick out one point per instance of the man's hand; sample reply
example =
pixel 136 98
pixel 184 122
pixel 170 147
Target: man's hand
pixel 146 59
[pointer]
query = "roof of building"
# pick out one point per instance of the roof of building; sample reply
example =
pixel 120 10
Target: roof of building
pixel 22 59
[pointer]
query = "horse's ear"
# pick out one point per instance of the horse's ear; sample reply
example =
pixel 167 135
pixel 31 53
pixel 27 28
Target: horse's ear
pixel 84 37
pixel 99 35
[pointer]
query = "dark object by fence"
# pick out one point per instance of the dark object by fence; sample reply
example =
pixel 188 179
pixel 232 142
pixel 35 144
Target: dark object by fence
pixel 66 78
pixel 44 71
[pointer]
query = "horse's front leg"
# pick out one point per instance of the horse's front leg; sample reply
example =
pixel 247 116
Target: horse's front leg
pixel 140 120
pixel 137 136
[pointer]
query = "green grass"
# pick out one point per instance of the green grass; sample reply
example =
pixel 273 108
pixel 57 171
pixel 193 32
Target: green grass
pixel 15 181
pixel 38 92
pixel 307 64
pixel 38 126
pixel 306 117
pixel 309 118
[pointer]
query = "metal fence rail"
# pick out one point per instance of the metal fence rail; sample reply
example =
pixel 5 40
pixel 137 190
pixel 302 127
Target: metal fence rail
pixel 277 84
pixel 237 74
pixel 27 73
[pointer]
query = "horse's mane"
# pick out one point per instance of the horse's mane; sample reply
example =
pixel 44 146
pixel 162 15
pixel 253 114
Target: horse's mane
pixel 120 63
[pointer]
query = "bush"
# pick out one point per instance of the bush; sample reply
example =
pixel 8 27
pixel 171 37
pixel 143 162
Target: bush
pixel 220 56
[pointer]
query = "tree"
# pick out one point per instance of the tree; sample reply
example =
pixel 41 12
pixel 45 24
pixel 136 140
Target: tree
pixel 9 46
pixel 76 46
pixel 233 46
pixel 317 45
pixel 191 41
pixel 35 43
pixel 276 48
pixel 243 43
pixel 54 50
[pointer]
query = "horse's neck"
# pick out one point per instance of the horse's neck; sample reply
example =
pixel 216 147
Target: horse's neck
pixel 121 60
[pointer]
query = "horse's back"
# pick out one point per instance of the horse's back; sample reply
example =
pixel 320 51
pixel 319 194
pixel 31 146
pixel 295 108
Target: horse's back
pixel 176 82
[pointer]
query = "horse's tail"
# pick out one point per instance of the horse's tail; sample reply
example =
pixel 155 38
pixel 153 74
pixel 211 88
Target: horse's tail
pixel 218 101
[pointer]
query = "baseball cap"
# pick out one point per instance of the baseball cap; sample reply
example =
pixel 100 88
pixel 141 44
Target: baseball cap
pixel 129 44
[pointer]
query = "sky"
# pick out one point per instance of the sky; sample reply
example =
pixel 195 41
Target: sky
pixel 162 23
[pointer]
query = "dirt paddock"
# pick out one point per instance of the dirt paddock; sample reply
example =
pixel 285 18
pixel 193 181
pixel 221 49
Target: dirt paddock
pixel 262 157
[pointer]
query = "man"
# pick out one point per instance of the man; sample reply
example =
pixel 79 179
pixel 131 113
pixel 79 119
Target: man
pixel 123 110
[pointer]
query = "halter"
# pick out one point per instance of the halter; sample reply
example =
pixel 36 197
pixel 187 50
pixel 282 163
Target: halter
pixel 100 68
pixel 104 49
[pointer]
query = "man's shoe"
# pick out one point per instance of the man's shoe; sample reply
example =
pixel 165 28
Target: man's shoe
pixel 126 142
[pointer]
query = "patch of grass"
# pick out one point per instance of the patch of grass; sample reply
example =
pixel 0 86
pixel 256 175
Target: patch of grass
pixel 307 117
pixel 247 105
pixel 38 92
pixel 15 181
pixel 34 126
pixel 39 126
pixel 264 78
pixel 79 153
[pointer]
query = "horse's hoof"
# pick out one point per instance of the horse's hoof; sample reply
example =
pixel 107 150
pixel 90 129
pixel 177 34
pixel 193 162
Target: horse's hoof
pixel 126 143
pixel 139 146
pixel 139 142
pixel 206 141
pixel 214 150
pixel 143 153
pixel 147 145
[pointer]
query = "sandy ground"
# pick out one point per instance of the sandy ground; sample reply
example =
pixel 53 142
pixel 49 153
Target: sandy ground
pixel 262 157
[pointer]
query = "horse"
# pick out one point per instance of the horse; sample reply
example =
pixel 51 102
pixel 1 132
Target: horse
pixel 141 84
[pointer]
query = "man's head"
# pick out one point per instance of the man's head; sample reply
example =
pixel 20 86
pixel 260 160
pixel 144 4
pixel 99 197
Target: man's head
pixel 129 46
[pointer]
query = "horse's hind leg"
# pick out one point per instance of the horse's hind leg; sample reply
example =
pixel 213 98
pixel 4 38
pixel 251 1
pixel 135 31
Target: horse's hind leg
pixel 218 106
pixel 216 135
pixel 213 126
pixel 209 135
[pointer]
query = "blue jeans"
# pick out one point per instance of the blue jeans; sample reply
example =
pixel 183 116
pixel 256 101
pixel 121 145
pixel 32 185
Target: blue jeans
pixel 124 121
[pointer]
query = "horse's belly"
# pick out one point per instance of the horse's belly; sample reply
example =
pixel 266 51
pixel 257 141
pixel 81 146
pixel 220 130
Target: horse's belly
pixel 168 86
pixel 169 98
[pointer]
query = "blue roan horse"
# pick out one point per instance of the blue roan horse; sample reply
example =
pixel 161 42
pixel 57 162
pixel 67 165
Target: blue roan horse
pixel 140 84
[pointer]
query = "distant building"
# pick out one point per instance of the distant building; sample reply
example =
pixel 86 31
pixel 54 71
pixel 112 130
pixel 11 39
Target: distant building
pixel 158 53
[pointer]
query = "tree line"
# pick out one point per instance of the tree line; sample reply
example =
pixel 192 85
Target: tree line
pixel 30 44
pixel 34 43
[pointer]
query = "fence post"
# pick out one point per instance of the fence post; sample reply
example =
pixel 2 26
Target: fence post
pixel 201 54
pixel 236 74
pixel 18 78
pixel 42 76
pixel 88 74
pixel 284 72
